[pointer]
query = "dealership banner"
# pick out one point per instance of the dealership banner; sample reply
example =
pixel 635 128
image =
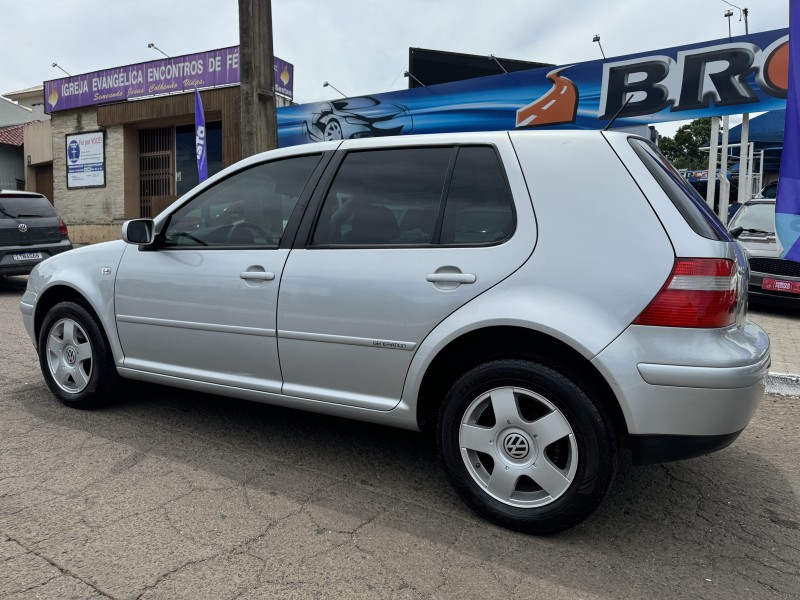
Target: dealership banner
pixel 787 204
pixel 86 163
pixel 158 77
pixel 722 77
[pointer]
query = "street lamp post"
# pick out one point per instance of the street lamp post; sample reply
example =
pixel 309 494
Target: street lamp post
pixel 61 69
pixel 154 47
pixel 596 38
pixel 326 84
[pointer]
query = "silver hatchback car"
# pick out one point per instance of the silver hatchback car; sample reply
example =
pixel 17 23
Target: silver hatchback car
pixel 540 300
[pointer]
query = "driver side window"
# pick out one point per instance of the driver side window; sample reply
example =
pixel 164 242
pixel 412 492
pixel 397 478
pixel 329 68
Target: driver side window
pixel 249 209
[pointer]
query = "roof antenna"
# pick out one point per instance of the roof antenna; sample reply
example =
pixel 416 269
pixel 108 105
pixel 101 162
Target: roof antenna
pixel 621 108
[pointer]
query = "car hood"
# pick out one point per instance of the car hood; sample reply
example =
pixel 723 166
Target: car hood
pixel 759 245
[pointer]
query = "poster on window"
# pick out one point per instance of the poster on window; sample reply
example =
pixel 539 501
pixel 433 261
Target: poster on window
pixel 86 165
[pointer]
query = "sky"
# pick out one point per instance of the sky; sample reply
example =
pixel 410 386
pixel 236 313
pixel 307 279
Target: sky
pixel 359 46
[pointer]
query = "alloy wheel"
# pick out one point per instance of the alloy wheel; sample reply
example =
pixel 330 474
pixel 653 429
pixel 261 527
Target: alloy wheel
pixel 518 447
pixel 69 356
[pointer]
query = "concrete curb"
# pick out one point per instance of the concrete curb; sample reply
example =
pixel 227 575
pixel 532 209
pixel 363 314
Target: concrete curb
pixel 784 384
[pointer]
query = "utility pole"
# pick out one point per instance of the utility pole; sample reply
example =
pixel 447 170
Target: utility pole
pixel 259 128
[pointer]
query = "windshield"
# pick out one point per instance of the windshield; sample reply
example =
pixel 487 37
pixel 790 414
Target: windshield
pixel 15 207
pixel 756 216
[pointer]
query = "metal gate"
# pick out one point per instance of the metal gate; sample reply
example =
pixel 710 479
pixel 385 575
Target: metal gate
pixel 156 169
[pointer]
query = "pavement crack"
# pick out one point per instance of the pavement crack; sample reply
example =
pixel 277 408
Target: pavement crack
pixel 179 568
pixel 62 569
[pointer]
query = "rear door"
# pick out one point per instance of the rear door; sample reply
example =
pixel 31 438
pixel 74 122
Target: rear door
pixel 403 237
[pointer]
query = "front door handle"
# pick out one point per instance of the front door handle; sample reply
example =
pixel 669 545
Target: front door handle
pixel 451 278
pixel 257 275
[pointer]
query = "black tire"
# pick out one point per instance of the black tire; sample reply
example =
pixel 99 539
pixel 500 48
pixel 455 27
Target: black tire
pixel 578 468
pixel 68 332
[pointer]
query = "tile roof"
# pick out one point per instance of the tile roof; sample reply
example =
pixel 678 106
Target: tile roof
pixel 12 136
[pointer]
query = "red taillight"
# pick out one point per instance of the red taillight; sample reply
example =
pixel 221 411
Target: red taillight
pixel 63 228
pixel 700 292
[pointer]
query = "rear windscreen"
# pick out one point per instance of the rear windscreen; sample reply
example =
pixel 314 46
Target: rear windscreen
pixel 685 198
pixel 16 207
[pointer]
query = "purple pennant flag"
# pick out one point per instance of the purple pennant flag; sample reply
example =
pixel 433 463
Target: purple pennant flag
pixel 200 138
pixel 787 205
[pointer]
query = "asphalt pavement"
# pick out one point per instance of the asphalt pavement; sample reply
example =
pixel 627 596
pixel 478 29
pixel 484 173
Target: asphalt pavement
pixel 171 494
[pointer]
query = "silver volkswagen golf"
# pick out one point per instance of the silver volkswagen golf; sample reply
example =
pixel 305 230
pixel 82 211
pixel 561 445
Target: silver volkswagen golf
pixel 541 300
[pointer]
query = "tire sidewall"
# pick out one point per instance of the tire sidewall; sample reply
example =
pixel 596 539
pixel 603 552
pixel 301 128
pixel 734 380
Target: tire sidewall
pixel 92 394
pixel 593 436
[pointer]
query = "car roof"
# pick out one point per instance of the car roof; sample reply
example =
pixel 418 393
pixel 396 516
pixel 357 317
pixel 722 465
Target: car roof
pixel 20 193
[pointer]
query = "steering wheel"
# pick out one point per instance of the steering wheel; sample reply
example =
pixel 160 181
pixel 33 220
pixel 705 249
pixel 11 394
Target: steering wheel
pixel 241 228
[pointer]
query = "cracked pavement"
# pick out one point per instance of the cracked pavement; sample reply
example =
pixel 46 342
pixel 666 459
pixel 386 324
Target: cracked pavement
pixel 173 494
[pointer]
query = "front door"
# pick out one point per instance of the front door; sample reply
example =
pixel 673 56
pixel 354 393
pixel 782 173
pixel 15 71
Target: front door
pixel 201 304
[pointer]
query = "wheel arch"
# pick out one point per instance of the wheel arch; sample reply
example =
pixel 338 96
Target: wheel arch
pixel 494 342
pixel 57 294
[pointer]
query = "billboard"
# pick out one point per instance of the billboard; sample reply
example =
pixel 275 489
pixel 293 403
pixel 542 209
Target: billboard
pixel 164 76
pixel 745 74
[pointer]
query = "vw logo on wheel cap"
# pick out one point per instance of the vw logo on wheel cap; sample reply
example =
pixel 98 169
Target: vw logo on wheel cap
pixel 22 227
pixel 71 355
pixel 516 446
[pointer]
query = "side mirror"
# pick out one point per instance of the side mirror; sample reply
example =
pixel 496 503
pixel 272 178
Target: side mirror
pixel 138 231
pixel 736 231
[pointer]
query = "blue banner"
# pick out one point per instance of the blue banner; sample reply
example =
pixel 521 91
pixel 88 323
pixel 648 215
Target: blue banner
pixel 787 205
pixel 200 138
pixel 747 73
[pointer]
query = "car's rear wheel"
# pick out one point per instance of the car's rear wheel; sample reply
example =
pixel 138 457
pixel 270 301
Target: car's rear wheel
pixel 525 446
pixel 75 357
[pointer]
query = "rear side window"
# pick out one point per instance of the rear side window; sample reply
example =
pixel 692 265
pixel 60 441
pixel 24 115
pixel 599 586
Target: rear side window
pixel 685 198
pixel 15 207
pixel 384 197
pixel 394 198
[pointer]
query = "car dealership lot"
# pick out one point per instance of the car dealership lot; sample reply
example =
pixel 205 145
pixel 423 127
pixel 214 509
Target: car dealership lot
pixel 174 494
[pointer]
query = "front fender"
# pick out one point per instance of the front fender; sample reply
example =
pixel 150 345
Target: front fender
pixel 89 271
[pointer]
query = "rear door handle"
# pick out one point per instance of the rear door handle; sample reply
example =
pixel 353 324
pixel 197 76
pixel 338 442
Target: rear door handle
pixel 451 278
pixel 257 275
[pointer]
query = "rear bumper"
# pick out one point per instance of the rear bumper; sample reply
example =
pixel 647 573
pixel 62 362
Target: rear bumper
pixel 686 392
pixel 650 449
pixel 9 266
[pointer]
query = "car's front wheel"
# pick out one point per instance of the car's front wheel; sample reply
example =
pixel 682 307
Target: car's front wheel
pixel 525 446
pixel 333 131
pixel 75 358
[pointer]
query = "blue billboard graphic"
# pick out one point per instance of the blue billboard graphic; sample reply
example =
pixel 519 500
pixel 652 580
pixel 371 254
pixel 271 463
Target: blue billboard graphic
pixel 746 74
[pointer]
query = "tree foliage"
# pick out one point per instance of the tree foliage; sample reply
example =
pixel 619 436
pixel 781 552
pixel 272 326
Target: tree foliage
pixel 683 150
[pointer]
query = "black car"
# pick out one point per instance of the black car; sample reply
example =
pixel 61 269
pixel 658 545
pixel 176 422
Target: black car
pixel 30 231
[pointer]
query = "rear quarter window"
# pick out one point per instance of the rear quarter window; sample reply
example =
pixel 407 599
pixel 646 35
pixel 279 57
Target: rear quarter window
pixel 685 198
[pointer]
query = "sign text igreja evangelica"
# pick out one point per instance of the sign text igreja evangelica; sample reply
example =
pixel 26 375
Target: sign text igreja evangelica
pixel 745 74
pixel 165 76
